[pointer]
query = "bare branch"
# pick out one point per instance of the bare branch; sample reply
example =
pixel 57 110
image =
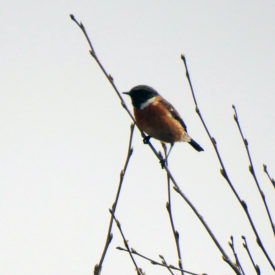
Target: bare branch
pixel 256 267
pixel 98 267
pixel 237 262
pixel 169 209
pixel 169 268
pixel 252 170
pixel 138 270
pixel 111 80
pixel 211 234
pixel 270 178
pixel 223 170
pixel 154 262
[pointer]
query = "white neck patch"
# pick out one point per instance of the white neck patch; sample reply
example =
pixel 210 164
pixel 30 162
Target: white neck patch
pixel 146 103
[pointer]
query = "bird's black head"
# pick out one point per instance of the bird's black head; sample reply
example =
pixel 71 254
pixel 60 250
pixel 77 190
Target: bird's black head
pixel 140 94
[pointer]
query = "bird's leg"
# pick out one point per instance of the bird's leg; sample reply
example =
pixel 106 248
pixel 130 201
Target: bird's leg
pixel 161 159
pixel 146 139
pixel 171 146
pixel 164 161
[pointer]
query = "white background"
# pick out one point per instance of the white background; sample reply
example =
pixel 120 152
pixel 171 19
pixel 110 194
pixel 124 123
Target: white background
pixel 64 135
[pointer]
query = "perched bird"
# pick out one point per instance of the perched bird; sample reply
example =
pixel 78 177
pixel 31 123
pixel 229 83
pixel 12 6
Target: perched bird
pixel 158 118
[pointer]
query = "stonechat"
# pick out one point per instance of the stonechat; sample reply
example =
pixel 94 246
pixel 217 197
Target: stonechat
pixel 158 118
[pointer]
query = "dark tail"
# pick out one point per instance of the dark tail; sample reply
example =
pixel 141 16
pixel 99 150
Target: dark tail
pixel 195 145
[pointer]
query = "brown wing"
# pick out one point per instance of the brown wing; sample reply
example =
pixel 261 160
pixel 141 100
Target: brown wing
pixel 173 112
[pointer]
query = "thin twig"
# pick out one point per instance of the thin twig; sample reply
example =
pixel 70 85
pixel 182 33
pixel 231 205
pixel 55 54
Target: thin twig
pixel 223 170
pixel 93 54
pixel 252 170
pixel 159 156
pixel 138 270
pixel 209 231
pixel 154 262
pixel 231 244
pixel 169 209
pixel 270 178
pixel 164 262
pixel 98 267
pixel 256 267
pixel 111 81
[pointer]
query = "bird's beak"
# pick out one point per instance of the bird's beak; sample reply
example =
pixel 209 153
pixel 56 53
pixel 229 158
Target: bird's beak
pixel 127 93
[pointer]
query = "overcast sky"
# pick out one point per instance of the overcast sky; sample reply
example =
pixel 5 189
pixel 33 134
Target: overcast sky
pixel 64 134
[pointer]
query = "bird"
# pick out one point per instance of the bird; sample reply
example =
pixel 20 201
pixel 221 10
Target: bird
pixel 158 118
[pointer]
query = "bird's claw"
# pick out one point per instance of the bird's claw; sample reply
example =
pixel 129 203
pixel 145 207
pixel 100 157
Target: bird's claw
pixel 163 163
pixel 146 139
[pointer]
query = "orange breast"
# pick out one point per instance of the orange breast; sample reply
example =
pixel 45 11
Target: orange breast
pixel 157 122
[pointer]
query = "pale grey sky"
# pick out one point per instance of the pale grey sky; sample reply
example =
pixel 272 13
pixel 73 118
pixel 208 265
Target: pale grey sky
pixel 64 135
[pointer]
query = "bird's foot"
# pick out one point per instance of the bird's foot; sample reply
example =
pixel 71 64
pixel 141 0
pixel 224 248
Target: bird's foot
pixel 163 163
pixel 146 139
pixel 162 160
